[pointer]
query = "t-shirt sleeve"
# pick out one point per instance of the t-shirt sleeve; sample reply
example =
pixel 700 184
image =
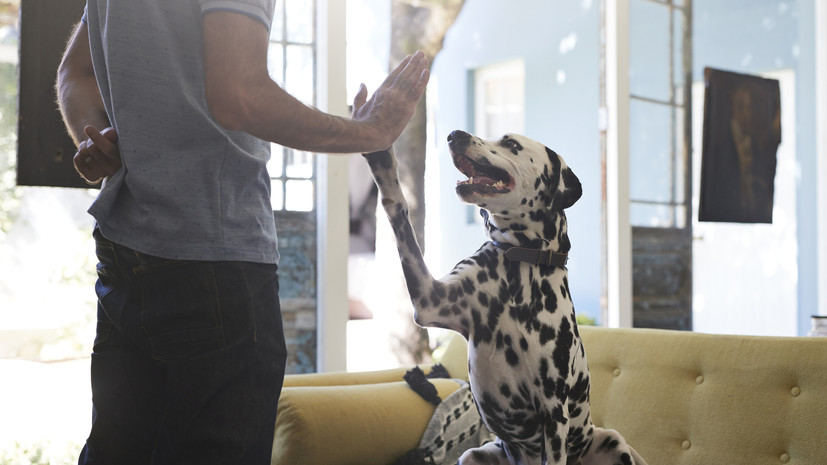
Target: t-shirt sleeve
pixel 258 9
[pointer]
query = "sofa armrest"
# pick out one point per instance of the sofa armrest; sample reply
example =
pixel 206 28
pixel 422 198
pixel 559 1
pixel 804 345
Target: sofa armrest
pixel 367 424
pixel 341 378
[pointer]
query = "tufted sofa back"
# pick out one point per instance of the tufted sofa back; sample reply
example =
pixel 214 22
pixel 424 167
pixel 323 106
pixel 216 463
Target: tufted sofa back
pixel 690 398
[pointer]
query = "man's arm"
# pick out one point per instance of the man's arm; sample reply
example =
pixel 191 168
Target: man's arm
pixel 241 95
pixel 78 95
pixel 82 109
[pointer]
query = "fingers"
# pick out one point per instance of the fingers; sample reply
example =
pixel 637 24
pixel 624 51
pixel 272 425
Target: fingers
pixel 83 163
pixel 98 156
pixel 110 133
pixel 414 77
pixel 391 106
pixel 424 77
pixel 409 69
pixel 393 75
pixel 361 97
pixel 104 141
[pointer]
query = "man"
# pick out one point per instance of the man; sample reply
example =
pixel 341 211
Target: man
pixel 171 105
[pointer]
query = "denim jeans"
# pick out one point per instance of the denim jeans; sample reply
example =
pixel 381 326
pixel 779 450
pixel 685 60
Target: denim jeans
pixel 188 361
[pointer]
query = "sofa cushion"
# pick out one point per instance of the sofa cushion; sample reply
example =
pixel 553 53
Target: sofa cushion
pixel 690 398
pixel 367 424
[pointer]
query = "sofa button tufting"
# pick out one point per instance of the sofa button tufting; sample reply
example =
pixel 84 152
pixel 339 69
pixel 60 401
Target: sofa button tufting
pixel 699 379
pixel 784 458
pixel 796 391
pixel 616 372
pixel 686 445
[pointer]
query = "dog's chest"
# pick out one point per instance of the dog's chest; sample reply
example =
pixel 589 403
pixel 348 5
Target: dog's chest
pixel 517 306
pixel 524 348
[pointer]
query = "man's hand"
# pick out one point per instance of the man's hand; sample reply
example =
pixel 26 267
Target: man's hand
pixel 394 102
pixel 98 156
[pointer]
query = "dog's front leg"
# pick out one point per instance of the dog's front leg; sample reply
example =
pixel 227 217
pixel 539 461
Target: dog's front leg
pixel 427 294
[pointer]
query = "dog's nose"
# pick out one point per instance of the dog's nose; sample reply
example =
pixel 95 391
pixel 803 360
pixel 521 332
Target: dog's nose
pixel 458 137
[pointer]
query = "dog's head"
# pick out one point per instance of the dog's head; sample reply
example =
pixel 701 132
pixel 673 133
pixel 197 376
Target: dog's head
pixel 513 173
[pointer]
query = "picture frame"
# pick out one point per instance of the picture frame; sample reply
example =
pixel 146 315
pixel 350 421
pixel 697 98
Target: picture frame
pixel 741 134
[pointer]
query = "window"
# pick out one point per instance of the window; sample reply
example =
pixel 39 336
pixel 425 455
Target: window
pixel 499 106
pixel 658 161
pixel 292 64
pixel 499 99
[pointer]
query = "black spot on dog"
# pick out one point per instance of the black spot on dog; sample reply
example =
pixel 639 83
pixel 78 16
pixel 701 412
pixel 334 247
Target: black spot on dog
pixel 482 298
pixel 562 349
pixel 453 295
pixel 557 448
pixel 549 387
pixel 546 334
pixel 511 357
pixel 550 302
pixel 579 391
pixel 381 160
pixel 468 286
pixel 523 344
pixel 609 444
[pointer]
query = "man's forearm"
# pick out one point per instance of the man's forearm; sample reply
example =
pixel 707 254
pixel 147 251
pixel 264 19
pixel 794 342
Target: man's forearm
pixel 272 114
pixel 78 95
pixel 242 97
pixel 78 107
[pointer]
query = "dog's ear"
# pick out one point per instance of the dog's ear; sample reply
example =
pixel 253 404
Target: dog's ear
pixel 484 215
pixel 569 188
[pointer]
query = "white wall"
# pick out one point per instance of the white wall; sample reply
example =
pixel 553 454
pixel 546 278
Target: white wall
pixel 745 276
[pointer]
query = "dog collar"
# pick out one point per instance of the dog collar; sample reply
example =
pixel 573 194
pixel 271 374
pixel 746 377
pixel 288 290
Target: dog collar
pixel 535 256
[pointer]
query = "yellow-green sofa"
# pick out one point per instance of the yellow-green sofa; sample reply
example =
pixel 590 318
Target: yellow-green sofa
pixel 679 398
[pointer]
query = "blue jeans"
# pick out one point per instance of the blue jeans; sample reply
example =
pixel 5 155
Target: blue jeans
pixel 188 361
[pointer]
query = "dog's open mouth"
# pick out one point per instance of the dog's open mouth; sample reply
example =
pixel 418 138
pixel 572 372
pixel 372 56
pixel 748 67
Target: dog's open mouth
pixel 482 179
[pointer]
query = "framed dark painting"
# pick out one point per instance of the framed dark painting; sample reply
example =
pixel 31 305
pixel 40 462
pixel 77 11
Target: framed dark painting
pixel 741 133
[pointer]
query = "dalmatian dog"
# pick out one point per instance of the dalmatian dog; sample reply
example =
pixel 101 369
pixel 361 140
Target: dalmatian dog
pixel 511 301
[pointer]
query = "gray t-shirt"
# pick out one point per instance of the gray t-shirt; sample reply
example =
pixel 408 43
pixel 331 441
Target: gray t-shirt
pixel 189 189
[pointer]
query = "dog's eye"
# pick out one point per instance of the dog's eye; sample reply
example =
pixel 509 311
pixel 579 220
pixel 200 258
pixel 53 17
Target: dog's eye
pixel 511 145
